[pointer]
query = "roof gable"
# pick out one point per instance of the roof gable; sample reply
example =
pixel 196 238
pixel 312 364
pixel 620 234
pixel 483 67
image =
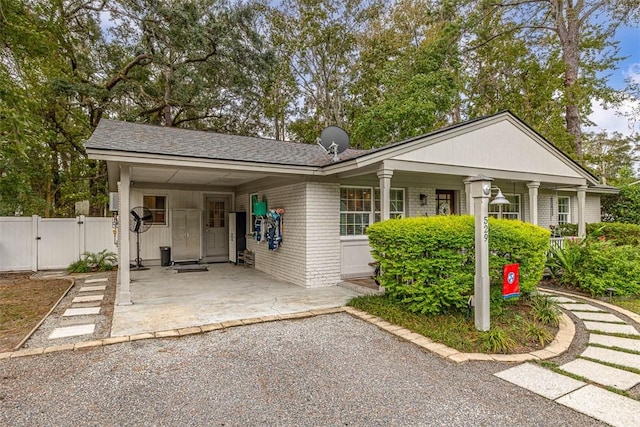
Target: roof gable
pixel 499 142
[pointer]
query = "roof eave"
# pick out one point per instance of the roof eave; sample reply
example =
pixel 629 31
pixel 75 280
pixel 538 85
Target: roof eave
pixel 126 157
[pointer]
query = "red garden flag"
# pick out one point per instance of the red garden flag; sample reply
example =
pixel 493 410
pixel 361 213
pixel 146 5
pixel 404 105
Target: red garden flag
pixel 511 281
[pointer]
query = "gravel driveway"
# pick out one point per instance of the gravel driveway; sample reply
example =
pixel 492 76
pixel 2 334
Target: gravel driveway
pixel 326 370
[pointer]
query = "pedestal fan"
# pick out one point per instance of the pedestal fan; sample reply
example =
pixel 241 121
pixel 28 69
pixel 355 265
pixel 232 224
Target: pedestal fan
pixel 139 222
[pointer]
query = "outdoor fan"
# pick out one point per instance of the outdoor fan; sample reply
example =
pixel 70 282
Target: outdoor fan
pixel 139 222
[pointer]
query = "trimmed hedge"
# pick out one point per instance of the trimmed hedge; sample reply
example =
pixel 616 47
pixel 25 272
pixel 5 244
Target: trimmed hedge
pixel 429 262
pixel 608 266
pixel 617 233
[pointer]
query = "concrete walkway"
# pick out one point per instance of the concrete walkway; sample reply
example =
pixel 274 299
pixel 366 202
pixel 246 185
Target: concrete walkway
pixel 611 360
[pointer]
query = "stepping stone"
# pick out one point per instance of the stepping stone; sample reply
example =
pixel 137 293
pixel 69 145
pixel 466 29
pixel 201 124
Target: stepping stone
pixel 579 306
pixel 88 298
pixel 54 274
pixel 609 341
pixel 87 304
pixel 93 288
pixel 611 328
pixel 590 315
pixel 103 279
pixel 602 374
pixel 562 299
pixel 616 357
pixel 604 405
pixel 72 331
pixel 540 381
pixel 81 311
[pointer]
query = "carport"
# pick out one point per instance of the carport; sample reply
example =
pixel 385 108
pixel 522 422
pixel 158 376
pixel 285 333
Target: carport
pixel 164 299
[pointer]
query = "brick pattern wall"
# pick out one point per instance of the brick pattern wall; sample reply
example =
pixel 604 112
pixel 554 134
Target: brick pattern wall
pixel 288 261
pixel 322 224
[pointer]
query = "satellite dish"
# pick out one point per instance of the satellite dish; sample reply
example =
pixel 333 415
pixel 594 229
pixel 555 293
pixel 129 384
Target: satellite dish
pixel 334 140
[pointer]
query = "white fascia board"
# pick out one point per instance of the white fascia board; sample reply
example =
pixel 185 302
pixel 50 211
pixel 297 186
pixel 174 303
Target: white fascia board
pixel 603 190
pixel 160 160
pixel 468 171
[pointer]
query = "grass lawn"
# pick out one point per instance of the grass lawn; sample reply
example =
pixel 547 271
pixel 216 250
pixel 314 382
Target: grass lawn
pixel 514 328
pixel 23 303
pixel 632 304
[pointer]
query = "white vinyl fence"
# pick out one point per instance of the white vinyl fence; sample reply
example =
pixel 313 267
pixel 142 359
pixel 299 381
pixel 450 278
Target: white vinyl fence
pixel 35 243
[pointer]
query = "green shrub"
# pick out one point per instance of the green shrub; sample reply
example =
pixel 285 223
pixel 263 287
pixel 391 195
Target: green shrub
pixel 545 310
pixel 564 262
pixel 429 263
pixel 605 265
pixel 80 266
pixel 538 333
pixel 89 262
pixel 562 230
pixel 615 232
pixel 496 340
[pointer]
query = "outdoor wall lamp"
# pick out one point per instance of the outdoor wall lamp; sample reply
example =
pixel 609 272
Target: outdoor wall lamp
pixel 499 199
pixel 423 199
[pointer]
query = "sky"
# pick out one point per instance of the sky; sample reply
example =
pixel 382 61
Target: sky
pixel 609 120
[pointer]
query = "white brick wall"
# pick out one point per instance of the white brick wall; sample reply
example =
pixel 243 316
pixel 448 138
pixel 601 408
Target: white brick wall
pixel 322 223
pixel 288 261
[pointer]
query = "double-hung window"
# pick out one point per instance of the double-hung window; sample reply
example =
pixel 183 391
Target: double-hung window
pixel 510 211
pixel 158 207
pixel 564 210
pixel 360 207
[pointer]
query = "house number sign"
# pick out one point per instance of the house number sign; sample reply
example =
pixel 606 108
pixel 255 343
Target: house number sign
pixel 485 228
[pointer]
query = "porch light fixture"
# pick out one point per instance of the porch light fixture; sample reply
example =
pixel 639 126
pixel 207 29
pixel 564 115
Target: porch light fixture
pixel 423 199
pixel 499 199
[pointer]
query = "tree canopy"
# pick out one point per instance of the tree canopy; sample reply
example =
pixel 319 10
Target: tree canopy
pixel 384 71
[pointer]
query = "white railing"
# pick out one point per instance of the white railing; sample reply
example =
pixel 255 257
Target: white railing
pixel 557 243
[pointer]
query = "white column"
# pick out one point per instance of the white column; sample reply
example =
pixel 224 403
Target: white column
pixel 481 192
pixel 582 226
pixel 384 175
pixel 124 294
pixel 467 195
pixel 533 201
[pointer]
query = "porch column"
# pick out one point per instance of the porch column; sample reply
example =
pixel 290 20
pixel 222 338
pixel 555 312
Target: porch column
pixel 384 175
pixel 124 294
pixel 582 227
pixel 533 201
pixel 467 196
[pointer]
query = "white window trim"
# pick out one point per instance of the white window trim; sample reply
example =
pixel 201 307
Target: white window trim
pixel 372 212
pixel 166 208
pixel 499 213
pixel 568 214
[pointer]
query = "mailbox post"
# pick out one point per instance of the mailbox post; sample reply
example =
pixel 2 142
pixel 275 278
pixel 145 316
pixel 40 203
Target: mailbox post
pixel 481 192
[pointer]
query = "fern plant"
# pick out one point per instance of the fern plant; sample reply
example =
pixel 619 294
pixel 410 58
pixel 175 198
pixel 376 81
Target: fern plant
pixel 90 262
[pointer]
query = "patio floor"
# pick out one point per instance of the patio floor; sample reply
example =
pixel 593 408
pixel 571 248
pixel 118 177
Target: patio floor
pixel 165 299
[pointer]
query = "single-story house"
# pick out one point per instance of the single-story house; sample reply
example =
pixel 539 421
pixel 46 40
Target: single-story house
pixel 192 182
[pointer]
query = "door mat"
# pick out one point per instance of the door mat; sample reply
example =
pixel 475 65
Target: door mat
pixel 190 268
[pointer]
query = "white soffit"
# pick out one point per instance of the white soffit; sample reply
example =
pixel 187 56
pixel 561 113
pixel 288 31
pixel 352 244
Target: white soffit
pixel 498 146
pixel 195 177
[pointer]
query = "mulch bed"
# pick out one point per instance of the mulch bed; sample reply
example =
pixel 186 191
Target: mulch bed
pixel 23 303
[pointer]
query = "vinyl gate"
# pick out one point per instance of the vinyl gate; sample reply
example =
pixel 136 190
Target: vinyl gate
pixel 37 243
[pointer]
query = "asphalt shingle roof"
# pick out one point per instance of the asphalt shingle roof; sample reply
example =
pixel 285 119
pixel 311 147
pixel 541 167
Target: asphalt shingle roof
pixel 149 139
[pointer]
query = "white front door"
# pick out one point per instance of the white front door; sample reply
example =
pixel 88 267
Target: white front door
pixel 216 228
